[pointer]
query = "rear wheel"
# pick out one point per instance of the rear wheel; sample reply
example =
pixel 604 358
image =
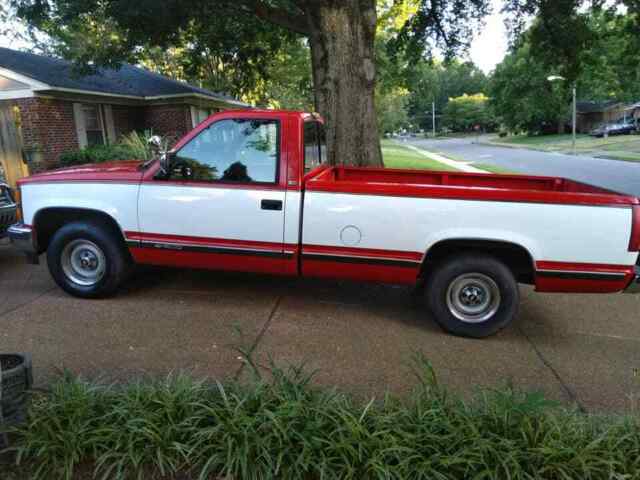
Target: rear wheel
pixel 87 259
pixel 472 295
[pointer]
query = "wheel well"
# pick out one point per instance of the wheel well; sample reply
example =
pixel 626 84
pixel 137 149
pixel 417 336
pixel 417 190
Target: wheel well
pixel 514 256
pixel 48 220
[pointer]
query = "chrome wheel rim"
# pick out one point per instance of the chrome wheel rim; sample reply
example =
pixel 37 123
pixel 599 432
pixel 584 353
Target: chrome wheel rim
pixel 83 262
pixel 473 297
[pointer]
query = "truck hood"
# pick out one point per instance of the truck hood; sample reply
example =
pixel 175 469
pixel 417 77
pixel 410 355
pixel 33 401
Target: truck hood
pixel 120 171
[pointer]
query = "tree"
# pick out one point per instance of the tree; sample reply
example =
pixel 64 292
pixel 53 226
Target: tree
pixel 392 110
pixel 610 65
pixel 341 35
pixel 605 68
pixel 466 112
pixel 439 81
pixel 522 97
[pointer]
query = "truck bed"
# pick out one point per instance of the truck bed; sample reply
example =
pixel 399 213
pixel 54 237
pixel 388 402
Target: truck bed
pixel 472 186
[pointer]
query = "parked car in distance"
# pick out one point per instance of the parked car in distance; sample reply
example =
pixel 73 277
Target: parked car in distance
pixel 251 191
pixel 7 209
pixel 619 128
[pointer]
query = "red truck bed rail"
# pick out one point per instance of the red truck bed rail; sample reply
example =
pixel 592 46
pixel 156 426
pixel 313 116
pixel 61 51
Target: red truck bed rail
pixel 466 186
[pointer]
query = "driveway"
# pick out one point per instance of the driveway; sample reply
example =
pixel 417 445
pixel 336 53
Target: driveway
pixel 581 349
pixel 612 174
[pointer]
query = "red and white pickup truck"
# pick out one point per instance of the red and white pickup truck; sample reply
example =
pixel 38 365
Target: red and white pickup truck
pixel 248 191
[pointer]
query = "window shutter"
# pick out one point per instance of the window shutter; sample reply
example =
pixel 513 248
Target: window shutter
pixel 81 131
pixel 194 116
pixel 110 128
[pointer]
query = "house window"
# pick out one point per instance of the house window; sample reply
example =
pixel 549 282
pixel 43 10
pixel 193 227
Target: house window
pixel 94 124
pixel 199 115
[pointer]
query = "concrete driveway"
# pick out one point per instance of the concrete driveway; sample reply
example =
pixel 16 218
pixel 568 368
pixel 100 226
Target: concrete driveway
pixel 613 174
pixel 582 349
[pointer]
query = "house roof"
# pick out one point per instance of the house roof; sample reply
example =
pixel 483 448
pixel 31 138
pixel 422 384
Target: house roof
pixel 126 81
pixel 596 107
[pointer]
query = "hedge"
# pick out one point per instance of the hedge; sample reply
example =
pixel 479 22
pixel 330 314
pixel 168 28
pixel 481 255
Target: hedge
pixel 98 154
pixel 287 428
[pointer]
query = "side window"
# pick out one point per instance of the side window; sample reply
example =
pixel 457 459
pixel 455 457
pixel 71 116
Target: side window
pixel 233 150
pixel 312 157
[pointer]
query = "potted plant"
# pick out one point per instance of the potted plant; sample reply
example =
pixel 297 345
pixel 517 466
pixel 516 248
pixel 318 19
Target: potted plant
pixel 16 379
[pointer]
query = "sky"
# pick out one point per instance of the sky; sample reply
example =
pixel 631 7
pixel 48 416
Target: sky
pixel 487 49
pixel 490 46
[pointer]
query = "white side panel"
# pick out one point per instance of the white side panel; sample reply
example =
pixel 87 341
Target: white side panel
pixel 566 233
pixel 117 200
pixel 227 213
pixel 292 211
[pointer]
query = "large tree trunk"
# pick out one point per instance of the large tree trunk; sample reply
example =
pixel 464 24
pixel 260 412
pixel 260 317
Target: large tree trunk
pixel 342 36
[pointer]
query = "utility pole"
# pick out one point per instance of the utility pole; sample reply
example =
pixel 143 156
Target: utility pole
pixel 553 78
pixel 573 123
pixel 433 118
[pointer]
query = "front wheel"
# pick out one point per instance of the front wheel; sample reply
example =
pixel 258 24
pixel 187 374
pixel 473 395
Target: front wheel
pixel 472 295
pixel 87 259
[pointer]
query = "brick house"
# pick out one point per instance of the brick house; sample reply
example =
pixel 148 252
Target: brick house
pixel 592 114
pixel 58 111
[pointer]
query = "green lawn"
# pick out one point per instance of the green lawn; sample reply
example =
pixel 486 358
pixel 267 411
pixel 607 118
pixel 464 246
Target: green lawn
pixel 621 147
pixel 399 156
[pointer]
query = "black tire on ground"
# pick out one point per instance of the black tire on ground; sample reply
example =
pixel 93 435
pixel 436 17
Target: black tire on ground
pixel 103 246
pixel 472 295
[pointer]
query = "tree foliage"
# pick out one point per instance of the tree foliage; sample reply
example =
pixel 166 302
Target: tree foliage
pixel 468 113
pixel 438 82
pixel 228 45
pixel 606 68
pixel 522 97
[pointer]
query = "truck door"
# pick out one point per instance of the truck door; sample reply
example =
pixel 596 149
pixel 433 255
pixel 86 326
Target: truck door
pixel 222 204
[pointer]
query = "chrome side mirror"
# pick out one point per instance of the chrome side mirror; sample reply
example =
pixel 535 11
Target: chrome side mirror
pixel 155 144
pixel 160 150
pixel 166 161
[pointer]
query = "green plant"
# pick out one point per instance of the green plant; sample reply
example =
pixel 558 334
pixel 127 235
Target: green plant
pixel 288 428
pixel 138 143
pixel 98 154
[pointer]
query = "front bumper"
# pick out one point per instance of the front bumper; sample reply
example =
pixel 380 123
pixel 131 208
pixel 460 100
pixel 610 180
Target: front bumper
pixel 634 286
pixel 7 217
pixel 22 238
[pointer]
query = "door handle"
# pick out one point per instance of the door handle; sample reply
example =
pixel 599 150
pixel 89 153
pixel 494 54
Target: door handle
pixel 271 204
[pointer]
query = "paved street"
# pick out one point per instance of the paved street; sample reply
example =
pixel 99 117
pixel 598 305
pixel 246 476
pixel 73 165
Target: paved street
pixel 612 174
pixel 574 348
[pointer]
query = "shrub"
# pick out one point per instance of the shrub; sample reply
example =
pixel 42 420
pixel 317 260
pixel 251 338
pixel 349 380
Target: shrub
pixel 98 154
pixel 289 429
pixel 139 143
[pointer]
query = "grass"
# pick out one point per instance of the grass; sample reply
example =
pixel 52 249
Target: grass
pixel 620 147
pixel 396 155
pixel 286 428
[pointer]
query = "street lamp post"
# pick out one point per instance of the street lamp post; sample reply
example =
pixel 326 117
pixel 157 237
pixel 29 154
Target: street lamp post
pixel 553 78
pixel 433 118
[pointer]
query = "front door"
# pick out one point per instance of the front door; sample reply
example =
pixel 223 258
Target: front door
pixel 12 167
pixel 222 204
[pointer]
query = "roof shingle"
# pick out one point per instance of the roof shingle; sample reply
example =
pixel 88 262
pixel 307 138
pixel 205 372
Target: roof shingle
pixel 128 80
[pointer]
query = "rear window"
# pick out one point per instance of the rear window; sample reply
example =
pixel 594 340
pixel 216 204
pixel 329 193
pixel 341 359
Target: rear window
pixel 315 145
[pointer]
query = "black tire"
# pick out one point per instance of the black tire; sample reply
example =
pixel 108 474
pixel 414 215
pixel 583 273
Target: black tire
pixel 115 262
pixel 458 283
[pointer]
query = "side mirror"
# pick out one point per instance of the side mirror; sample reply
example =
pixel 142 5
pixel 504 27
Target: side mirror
pixel 167 160
pixel 155 144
